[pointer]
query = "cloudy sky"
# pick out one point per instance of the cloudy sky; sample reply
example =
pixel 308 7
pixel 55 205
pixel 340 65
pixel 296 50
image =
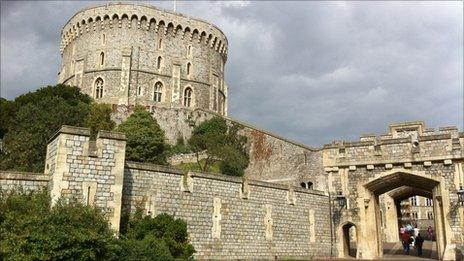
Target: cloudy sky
pixel 311 71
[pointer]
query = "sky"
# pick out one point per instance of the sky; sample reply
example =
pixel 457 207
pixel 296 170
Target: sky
pixel 311 71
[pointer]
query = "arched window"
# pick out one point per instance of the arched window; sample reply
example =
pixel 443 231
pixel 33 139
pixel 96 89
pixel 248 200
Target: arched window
pixel 103 39
pixel 187 97
pixel 157 95
pixel 189 50
pixel 102 58
pixel 189 67
pixel 160 44
pixel 98 88
pixel 159 62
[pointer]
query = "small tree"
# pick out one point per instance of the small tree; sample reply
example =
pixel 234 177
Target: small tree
pixel 145 138
pixel 222 143
pixel 99 118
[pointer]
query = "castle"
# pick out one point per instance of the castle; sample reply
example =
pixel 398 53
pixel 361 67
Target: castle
pixel 295 201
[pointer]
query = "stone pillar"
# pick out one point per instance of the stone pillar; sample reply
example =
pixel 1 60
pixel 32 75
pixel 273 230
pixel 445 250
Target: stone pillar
pixel 89 171
pixel 391 220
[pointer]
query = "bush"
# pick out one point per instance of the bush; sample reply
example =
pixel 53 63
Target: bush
pixel 32 230
pixel 172 232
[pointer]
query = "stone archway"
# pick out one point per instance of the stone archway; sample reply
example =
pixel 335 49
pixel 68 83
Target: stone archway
pixel 347 232
pixel 369 240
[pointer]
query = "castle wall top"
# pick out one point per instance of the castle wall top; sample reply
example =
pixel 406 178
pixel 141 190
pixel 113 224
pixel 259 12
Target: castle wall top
pixel 145 16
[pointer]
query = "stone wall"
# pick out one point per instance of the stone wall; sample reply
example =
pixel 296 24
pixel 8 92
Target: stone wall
pixel 90 171
pixel 11 180
pixel 230 218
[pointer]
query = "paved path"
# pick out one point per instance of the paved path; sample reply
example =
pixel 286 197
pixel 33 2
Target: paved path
pixel 394 251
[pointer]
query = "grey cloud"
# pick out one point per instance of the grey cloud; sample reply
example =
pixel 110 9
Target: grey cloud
pixel 310 71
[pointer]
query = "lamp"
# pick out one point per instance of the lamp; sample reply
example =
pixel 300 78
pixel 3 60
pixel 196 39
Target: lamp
pixel 341 200
pixel 461 194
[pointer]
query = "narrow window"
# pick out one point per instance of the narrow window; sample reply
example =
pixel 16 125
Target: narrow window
pixel 310 185
pixel 98 88
pixel 103 39
pixel 158 92
pixel 189 50
pixel 102 58
pixel 139 90
pixel 160 44
pixel 158 62
pixel 88 196
pixel 187 97
pixel 189 66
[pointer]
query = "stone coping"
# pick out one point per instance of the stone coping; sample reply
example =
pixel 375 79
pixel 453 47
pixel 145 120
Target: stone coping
pixel 73 130
pixel 218 176
pixel 19 175
pixel 112 135
pixel 82 131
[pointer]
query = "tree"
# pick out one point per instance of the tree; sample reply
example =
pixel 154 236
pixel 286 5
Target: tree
pixel 222 143
pixel 30 229
pixel 145 139
pixel 99 118
pixel 35 116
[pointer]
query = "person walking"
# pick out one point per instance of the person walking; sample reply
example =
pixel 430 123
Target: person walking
pixel 405 238
pixel 430 233
pixel 418 244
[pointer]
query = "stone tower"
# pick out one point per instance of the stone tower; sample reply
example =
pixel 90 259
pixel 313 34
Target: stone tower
pixel 130 53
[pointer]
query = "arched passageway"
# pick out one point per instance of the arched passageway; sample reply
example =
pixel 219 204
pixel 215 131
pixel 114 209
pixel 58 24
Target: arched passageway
pixel 349 240
pixel 397 185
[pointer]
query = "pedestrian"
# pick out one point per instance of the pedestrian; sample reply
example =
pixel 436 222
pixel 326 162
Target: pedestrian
pixel 418 243
pixel 430 233
pixel 416 231
pixel 405 238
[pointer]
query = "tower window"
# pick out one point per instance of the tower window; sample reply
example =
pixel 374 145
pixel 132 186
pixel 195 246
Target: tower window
pixel 139 90
pixel 102 58
pixel 189 50
pixel 187 97
pixel 160 44
pixel 103 39
pixel 157 95
pixel 98 88
pixel 159 62
pixel 189 67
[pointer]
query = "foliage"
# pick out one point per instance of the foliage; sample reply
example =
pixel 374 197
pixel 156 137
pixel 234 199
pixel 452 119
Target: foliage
pixel 99 118
pixel 145 138
pixel 161 231
pixel 180 147
pixel 213 167
pixel 222 143
pixel 32 119
pixel 32 230
pixel 6 108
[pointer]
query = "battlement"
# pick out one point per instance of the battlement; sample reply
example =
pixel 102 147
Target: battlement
pixel 143 17
pixel 404 143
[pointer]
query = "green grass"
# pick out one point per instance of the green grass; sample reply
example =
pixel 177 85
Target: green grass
pixel 194 167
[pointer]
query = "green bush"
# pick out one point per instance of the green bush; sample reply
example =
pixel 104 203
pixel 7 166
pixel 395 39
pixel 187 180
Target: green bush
pixel 145 139
pixel 172 232
pixel 30 229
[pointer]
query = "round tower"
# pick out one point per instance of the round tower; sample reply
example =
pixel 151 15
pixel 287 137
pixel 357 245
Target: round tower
pixel 131 53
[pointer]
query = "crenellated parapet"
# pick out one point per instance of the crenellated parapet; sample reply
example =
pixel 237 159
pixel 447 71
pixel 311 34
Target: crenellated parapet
pixel 404 144
pixel 143 17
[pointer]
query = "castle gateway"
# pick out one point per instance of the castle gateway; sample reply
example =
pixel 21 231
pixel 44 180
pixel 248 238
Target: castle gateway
pixel 295 201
